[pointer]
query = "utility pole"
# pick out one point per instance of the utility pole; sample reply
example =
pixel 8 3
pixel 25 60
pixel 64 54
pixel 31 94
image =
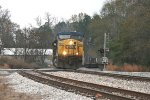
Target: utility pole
pixel 104 49
pixel 25 44
pixel 1 47
pixel 104 45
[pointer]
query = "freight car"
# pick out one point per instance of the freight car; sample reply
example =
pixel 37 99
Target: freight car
pixel 92 57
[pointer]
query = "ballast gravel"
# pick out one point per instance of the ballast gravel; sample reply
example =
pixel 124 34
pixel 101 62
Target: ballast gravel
pixel 141 74
pixel 4 73
pixel 25 85
pixel 106 80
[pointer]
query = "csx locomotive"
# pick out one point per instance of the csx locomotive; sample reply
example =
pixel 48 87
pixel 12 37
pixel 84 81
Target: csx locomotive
pixel 68 50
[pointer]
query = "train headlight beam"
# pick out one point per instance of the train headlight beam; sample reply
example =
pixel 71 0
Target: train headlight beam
pixel 71 42
pixel 77 53
pixel 64 53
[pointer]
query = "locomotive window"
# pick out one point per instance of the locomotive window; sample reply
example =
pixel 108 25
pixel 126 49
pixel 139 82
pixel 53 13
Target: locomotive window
pixel 77 37
pixel 64 36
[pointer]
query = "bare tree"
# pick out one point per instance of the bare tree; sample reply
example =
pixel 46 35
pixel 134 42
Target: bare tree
pixel 7 28
pixel 49 19
pixel 38 21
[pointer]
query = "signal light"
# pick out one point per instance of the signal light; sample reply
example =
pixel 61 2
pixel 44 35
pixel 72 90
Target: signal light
pixel 101 50
pixel 71 42
pixel 77 53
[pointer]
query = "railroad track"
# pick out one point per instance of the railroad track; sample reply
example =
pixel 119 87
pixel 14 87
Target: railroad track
pixel 84 88
pixel 101 73
pixel 120 76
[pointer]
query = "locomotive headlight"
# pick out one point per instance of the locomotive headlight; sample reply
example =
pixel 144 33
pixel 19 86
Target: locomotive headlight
pixel 77 53
pixel 64 53
pixel 71 42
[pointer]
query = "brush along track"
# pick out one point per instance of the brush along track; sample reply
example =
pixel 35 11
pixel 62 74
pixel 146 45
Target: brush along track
pixel 84 88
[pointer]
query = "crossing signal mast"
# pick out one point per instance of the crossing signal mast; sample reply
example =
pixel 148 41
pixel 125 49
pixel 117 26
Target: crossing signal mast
pixel 1 45
pixel 105 50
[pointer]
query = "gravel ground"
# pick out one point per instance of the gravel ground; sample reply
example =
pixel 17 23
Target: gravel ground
pixel 25 85
pixel 105 80
pixel 4 73
pixel 142 74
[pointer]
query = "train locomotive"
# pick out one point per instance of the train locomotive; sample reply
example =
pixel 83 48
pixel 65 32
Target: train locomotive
pixel 68 50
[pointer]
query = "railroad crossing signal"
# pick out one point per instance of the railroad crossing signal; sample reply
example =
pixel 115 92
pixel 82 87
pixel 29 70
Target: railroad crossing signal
pixel 101 50
pixel 104 58
pixel 107 49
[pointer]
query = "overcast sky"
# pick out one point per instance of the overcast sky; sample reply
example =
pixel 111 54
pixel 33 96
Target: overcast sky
pixel 24 12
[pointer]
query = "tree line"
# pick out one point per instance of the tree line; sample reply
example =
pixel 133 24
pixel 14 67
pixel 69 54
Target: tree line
pixel 127 22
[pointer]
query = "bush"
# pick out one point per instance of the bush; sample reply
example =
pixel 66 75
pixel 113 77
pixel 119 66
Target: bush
pixel 16 63
pixel 127 68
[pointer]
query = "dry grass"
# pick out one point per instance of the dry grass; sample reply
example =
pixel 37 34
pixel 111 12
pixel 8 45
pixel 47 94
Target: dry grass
pixel 9 62
pixel 7 93
pixel 4 66
pixel 127 68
